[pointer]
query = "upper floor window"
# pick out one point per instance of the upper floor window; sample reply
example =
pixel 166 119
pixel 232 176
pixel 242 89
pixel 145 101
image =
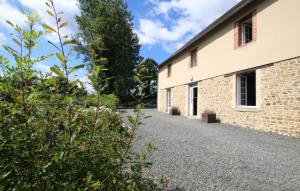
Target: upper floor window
pixel 193 58
pixel 245 30
pixel 169 70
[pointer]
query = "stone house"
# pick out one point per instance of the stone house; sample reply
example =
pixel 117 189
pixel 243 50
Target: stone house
pixel 245 67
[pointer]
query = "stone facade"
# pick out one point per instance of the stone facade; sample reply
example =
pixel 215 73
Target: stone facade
pixel 179 98
pixel 277 97
pixel 162 100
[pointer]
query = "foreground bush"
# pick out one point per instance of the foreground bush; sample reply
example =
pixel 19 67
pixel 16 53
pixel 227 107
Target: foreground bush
pixel 108 100
pixel 49 139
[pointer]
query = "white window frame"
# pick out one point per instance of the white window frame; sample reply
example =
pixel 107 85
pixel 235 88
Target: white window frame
pixel 239 78
pixel 169 99
pixel 191 99
pixel 243 31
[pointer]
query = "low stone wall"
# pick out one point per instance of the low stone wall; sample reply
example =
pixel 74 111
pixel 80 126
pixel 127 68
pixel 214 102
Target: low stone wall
pixel 278 99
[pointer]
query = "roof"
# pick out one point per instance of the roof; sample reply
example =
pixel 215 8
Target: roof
pixel 208 29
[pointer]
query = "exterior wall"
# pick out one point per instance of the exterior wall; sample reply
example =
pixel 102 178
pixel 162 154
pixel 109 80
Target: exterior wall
pixel 278 99
pixel 162 100
pixel 277 39
pixel 180 98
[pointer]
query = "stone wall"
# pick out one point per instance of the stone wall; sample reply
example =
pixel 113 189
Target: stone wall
pixel 278 99
pixel 162 100
pixel 180 98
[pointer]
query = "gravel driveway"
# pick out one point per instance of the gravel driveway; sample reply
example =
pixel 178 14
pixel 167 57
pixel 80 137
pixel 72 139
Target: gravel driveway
pixel 199 156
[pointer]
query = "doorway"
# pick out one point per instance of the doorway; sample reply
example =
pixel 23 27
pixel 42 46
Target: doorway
pixel 193 103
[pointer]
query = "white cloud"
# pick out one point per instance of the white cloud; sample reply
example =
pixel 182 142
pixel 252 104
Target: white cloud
pixel 42 67
pixel 87 83
pixel 68 7
pixel 3 39
pixel 152 32
pixel 11 13
pixel 179 19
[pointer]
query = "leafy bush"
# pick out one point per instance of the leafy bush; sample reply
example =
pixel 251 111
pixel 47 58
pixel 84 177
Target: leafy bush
pixel 108 100
pixel 49 140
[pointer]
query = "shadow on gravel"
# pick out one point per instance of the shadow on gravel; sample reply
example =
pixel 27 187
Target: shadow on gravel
pixel 176 189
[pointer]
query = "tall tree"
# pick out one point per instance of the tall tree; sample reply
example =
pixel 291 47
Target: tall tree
pixel 106 27
pixel 149 76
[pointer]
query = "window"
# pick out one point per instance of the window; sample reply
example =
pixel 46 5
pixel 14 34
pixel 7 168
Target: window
pixel 245 30
pixel 246 89
pixel 193 58
pixel 169 70
pixel 169 104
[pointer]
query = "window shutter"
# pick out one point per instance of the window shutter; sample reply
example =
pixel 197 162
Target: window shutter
pixel 236 35
pixel 169 68
pixel 254 26
pixel 191 59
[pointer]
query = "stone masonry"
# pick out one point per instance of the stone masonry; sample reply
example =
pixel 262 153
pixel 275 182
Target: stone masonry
pixel 278 99
pixel 162 100
pixel 180 98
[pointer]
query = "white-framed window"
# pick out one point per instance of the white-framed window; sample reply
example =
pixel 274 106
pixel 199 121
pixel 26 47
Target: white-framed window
pixel 193 58
pixel 246 89
pixel 246 30
pixel 169 103
pixel 246 33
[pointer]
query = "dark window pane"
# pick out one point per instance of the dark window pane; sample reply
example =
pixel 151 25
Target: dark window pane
pixel 246 34
pixel 247 90
pixel 251 89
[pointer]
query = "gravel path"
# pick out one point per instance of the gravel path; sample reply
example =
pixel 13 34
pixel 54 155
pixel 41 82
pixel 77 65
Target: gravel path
pixel 199 156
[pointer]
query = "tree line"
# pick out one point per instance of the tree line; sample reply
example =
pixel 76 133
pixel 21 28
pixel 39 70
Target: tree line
pixel 106 30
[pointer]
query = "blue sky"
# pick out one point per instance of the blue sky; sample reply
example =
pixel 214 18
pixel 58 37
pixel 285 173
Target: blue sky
pixel 163 26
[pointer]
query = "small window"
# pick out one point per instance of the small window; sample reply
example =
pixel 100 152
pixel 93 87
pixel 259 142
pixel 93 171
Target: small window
pixel 246 31
pixel 169 104
pixel 193 58
pixel 169 70
pixel 246 89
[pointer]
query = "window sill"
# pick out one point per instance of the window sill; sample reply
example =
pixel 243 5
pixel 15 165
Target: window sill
pixel 247 108
pixel 245 45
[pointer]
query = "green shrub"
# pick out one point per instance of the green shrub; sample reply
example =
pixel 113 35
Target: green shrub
pixel 49 140
pixel 108 100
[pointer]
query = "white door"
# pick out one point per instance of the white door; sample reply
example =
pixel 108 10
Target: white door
pixel 193 100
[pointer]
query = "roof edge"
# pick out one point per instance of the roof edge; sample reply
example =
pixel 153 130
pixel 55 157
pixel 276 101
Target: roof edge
pixel 231 12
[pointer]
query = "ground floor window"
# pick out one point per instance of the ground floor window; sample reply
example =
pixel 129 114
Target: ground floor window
pixel 169 104
pixel 246 89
